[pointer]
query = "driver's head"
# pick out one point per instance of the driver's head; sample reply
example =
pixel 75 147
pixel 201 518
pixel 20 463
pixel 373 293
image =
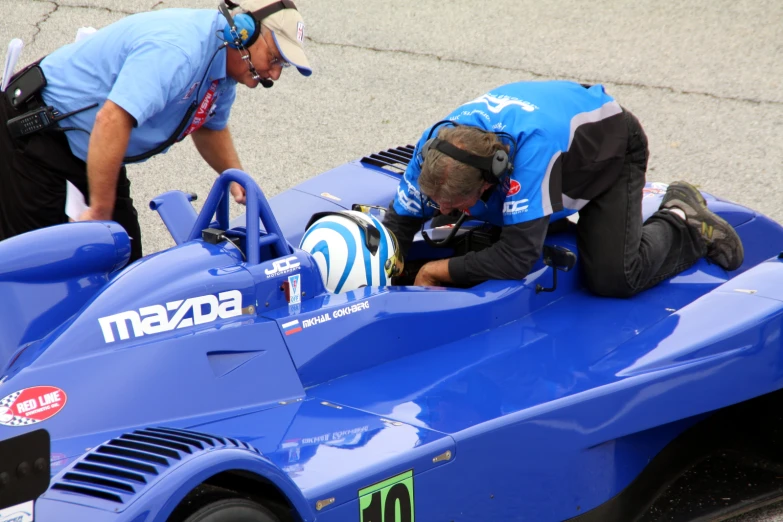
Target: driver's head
pixel 352 250
pixel 453 184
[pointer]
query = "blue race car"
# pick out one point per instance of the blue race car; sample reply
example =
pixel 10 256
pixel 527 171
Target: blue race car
pixel 219 380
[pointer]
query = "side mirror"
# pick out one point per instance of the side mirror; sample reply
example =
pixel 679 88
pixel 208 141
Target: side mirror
pixel 560 259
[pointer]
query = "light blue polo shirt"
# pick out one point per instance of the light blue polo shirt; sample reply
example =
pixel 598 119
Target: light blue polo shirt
pixel 150 64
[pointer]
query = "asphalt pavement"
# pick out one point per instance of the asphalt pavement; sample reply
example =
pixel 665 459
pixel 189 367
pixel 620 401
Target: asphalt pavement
pixel 704 77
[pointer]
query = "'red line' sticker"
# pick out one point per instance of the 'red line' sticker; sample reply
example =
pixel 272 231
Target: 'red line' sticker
pixel 31 405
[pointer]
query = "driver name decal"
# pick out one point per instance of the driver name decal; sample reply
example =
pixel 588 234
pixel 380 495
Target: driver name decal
pixel 31 405
pixel 155 319
pixel 293 327
pixel 336 314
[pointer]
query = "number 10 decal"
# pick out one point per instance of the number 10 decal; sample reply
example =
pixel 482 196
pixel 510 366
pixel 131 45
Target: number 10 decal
pixel 388 501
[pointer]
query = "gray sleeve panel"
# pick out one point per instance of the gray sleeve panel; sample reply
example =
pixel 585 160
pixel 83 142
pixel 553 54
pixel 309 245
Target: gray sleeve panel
pixel 518 248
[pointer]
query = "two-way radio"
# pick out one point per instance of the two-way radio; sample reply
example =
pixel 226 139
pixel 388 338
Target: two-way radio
pixel 38 120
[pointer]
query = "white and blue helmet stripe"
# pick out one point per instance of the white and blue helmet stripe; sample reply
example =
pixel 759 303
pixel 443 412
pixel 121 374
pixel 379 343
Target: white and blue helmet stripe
pixel 338 247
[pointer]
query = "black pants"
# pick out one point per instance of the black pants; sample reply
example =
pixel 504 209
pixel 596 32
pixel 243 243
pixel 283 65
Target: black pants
pixel 621 256
pixel 33 172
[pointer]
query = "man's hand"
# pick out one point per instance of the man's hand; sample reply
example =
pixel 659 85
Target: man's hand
pixel 239 193
pixel 94 215
pixel 434 273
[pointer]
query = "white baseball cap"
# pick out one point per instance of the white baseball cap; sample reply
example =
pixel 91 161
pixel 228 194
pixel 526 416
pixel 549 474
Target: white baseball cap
pixel 287 26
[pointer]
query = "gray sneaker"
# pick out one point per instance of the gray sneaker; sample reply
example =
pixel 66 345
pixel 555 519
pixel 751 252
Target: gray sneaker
pixel 724 246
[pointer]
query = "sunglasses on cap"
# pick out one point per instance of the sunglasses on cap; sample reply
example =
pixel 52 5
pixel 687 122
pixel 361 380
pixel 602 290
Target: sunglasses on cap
pixel 279 61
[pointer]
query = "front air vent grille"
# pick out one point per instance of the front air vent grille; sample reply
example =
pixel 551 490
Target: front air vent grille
pixel 207 439
pixel 107 449
pixel 97 493
pixel 396 159
pixel 98 481
pixel 121 468
pixel 147 448
pixel 179 446
pixel 110 472
pixel 122 463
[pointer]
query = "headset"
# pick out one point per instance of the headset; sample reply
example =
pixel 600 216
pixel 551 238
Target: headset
pixel 240 33
pixel 494 169
pixel 244 29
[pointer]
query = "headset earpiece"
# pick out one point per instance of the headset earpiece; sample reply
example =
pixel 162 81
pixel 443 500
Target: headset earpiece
pixel 246 29
pixel 500 164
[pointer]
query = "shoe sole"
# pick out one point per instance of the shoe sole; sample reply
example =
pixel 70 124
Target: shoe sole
pixel 690 188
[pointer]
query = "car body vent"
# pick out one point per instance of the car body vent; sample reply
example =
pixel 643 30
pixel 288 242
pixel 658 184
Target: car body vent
pixel 121 468
pixel 395 160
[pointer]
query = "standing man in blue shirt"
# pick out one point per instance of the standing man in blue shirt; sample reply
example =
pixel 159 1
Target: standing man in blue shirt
pixel 529 153
pixel 137 87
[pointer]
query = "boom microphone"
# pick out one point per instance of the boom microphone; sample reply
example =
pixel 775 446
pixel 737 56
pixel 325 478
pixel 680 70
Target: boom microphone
pixel 266 82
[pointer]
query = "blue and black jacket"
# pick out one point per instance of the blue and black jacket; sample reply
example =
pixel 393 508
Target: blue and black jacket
pixel 571 142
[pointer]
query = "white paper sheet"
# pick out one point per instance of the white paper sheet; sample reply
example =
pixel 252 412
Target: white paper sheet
pixel 15 47
pixel 74 202
pixel 84 32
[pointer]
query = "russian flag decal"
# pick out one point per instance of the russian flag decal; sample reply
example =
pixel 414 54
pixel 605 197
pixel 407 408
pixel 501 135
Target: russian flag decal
pixel 292 327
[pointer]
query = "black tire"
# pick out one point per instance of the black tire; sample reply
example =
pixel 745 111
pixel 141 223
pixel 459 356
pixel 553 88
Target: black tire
pixel 232 510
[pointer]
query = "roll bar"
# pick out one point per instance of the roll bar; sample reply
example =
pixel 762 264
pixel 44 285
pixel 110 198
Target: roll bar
pixel 217 203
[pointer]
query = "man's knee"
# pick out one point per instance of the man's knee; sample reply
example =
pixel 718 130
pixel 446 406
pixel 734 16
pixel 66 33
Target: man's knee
pixel 611 284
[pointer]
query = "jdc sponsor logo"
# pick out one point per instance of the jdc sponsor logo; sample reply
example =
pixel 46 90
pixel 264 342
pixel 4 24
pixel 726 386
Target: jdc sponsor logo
pixel 408 201
pixel 282 266
pixel 515 207
pixel 155 319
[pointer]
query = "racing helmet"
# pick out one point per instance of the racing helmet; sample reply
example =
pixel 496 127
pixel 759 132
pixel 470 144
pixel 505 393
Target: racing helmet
pixel 352 249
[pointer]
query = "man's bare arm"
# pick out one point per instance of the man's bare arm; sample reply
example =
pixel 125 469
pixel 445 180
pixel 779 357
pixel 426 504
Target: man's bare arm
pixel 217 148
pixel 108 144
